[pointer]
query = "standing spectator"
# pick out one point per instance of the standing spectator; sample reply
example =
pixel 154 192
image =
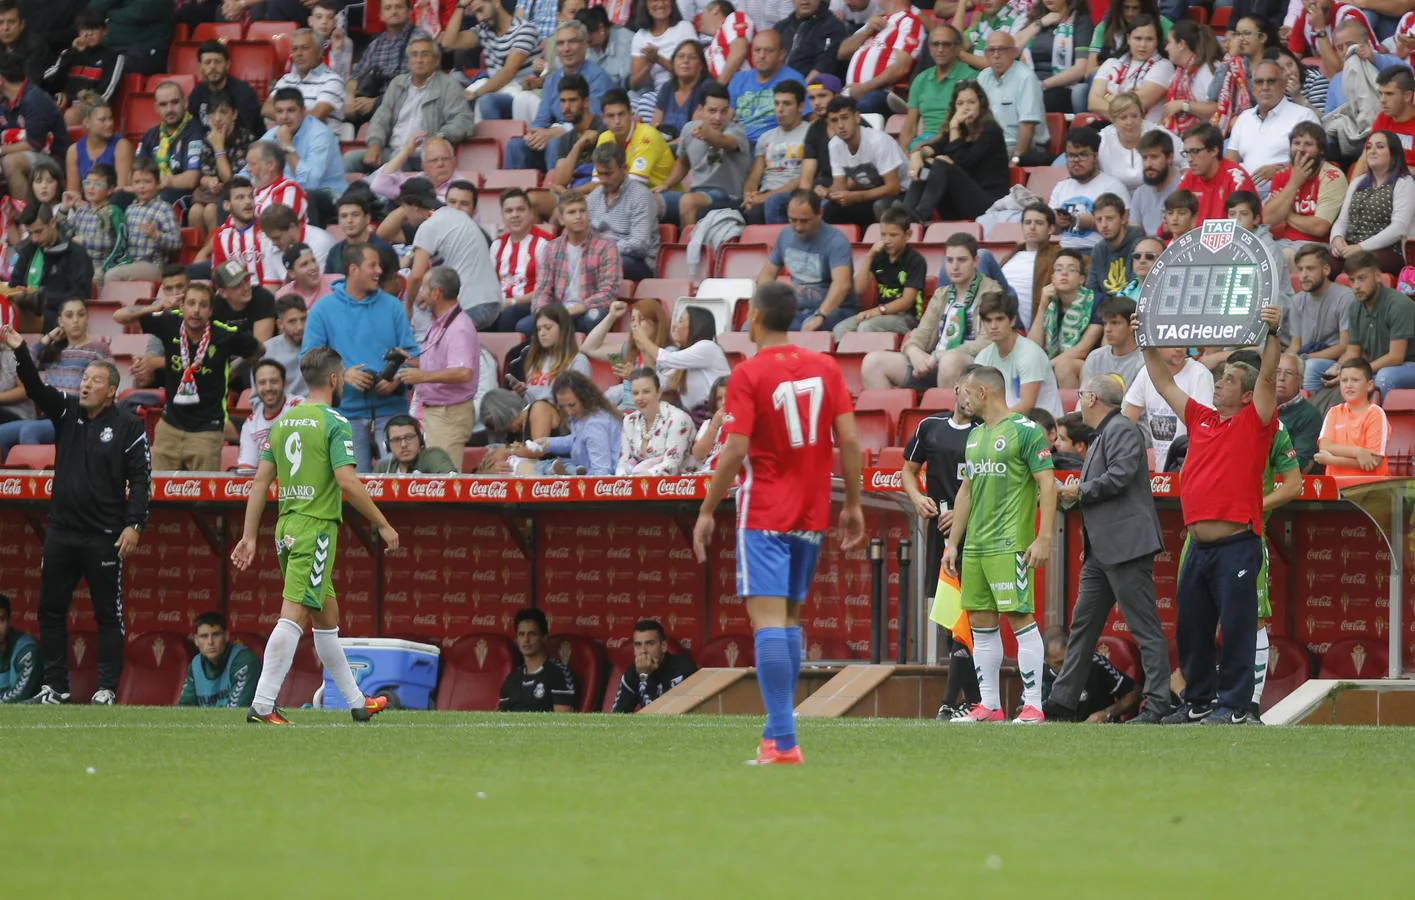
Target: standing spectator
pixel 247 308
pixel 30 126
pixel 1120 140
pixel 20 666
pixel 274 400
pixel 962 172
pixel 362 324
pixel 1211 177
pixel 20 43
pixel 1028 379
pixel 582 270
pixel 870 170
pixel 1378 208
pixel 1382 327
pixel 1074 198
pixel 1120 532
pixel 715 150
pixel 776 168
pixel 1316 327
pixel 658 30
pixel 223 673
pixel 385 58
pixel 682 93
pixel 141 30
pixel 1146 406
pixel 1306 194
pixel 451 236
pixel 1111 265
pixel 1067 325
pixel 1117 354
pixel 284 348
pixel 1142 70
pixel 552 351
pixel 198 350
pixel 550 137
pixel 56 23
pixel 1015 93
pixel 100 143
pixel 52 269
pixel 354 221
pixel 813 35
pixel 1194 53
pixel 897 273
pixel 311 155
pixel 408 452
pixel 508 46
pixel 818 258
pixel 1260 138
pixel 519 257
pixel 62 354
pixel 320 86
pixel 174 145
pixel 1159 177
pixel 624 212
pixel 1054 32
pixel 540 683
pixel 753 92
pixel 446 374
pixel 646 152
pixel 655 671
pixel 88 64
pixel 215 78
pixel 881 55
pixel 931 92
pixel 732 32
pixel 656 437
pixel 1299 418
pixel 610 46
pixel 1027 268
pixel 96 516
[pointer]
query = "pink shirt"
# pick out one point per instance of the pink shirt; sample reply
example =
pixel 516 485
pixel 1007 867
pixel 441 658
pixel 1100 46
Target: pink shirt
pixel 451 343
pixel 387 184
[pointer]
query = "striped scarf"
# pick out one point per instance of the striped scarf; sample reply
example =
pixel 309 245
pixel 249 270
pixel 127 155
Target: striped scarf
pixel 1063 330
pixel 1234 97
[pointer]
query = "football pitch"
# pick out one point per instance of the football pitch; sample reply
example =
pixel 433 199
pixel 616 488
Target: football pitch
pixel 199 804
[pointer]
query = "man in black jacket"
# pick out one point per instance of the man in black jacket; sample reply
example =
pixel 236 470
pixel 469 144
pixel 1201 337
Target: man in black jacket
pixel 812 36
pixel 655 671
pixel 96 515
pixel 53 269
pixel 88 64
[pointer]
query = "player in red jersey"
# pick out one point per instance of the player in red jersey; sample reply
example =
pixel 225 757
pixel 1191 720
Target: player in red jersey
pixel 780 409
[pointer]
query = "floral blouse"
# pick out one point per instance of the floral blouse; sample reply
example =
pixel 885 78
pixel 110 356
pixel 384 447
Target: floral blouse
pixel 661 448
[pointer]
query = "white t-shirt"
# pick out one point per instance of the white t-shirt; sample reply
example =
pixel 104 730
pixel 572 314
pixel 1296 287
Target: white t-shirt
pixel 256 428
pixel 1027 363
pixel 877 154
pixel 451 238
pixel 1126 165
pixel 1121 74
pixel 1263 142
pixel 703 363
pixel 1019 271
pixel 1075 197
pixel 317 239
pixel 1158 419
pixel 665 44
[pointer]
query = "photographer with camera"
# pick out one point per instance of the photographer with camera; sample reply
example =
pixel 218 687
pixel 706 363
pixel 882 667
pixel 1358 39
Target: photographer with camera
pixel 447 371
pixel 359 321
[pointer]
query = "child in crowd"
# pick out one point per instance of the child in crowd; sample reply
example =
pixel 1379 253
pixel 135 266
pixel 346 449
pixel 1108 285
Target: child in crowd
pixel 150 226
pixel 98 224
pixel 1355 432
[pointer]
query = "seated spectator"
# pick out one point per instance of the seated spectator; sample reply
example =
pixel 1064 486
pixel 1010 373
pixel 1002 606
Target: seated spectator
pixel 1379 206
pixel 98 225
pixel 439 166
pixel 548 138
pixel 816 174
pixel 1316 326
pixel 50 268
pixel 1120 140
pixel 1306 194
pixel 1109 695
pixel 897 273
pixel 624 212
pixel 199 351
pixel 311 152
pixel 753 91
pixel 303 275
pixel 818 258
pixel 716 152
pixel 551 352
pixel 1051 35
pixel 281 229
pixel 223 155
pixel 776 167
pixel 812 35
pixel 1194 53
pixel 237 238
pixel 423 101
pixel 1015 96
pixel 266 168
pixel 1299 418
pixel 1381 327
pixel 1027 268
pixel 582 270
pixel 408 451
pixel 140 30
pixel 656 437
pixel 445 374
pixel 1260 138
pixel 966 164
pixel 100 144
pixel 21 667
pixel 732 31
pixel 1142 70
pixel 62 354
pixel 1355 431
pixel 224 672
pixel 320 87
pixel 610 46
pixel 31 126
pixel 508 45
pixel 709 440
pixel 870 171
pixel 1246 209
pixel 1181 214
pixel 15 405
pixel 21 44
pixel 1074 197
pixel 931 94
pixel 449 234
pixel 1232 88
pixel 591 447
pixel 540 683
pixel 648 327
pixel 1110 269
pixel 1145 407
pixel 655 671
pixel 1211 177
pixel 1117 353
pixel 658 29
pixel 1353 46
pixel 575 168
pixel 681 94
pixel 1073 438
pixel 215 63
pixel 949 334
pixel 385 58
pixel 882 55
pixel 334 44
pixel 1067 324
pixel 87 65
pixel 246 308
pixel 355 219
pixel 1029 379
pixel 284 347
pixel 992 16
pixel 270 403
pixel 646 153
pixel 1158 179
pixel 1304 85
pixel 174 145
pixel 1396 87
pixel 518 255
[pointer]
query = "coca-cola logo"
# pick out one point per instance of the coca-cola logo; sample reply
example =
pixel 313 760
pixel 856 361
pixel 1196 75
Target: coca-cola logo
pixel 395 597
pixel 1322 601
pixel 201 596
pixel 618 553
pixel 236 488
pixel 559 598
pixel 650 531
pixel 49 486
pixel 1358 532
pixel 680 599
pixel 588 576
pixel 169 528
pixel 830 623
pixel 170 572
pixel 487 531
pixel 374 487
pixel 1356 578
pixel 557 553
pixel 11 487
pixel 187 487
pixel 651 577
pixel 487 489
pixel 550 490
pixel 617 487
pixel 1356 626
pixel 1323 554
pixel 484 576
pixel 170 615
pixel 434 490
pixel 587 621
pixel 244 596
pixel 513 600
pixel 427 531
pixel 618 599
pixel 1161 484
pixel 587 531
pixel 355 597
pixel 857 600
pixel 679 487
pixel 682 553
pixel 886 480
pixel 424 575
pixel 425 619
pixel 486 621
pixel 454 553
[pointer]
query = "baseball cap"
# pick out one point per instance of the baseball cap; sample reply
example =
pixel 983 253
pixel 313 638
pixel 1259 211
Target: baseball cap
pixel 829 82
pixel 419 192
pixel 229 274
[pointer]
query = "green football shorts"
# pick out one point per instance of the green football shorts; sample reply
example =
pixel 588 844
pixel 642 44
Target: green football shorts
pixel 999 582
pixel 1265 605
pixel 305 547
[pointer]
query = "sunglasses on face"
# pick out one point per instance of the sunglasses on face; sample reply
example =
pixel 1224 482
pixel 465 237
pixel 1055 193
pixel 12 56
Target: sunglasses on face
pixel 1145 256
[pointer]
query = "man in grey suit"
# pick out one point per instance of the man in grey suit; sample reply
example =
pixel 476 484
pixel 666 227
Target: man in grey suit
pixel 1121 535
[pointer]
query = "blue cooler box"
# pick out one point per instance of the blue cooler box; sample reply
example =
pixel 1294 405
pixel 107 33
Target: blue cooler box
pixel 405 668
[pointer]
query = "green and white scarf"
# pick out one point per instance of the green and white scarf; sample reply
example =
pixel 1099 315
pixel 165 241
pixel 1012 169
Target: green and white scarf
pixel 1067 333
pixel 953 329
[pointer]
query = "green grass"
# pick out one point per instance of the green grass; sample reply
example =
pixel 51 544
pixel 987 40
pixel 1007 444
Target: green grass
pixel 198 804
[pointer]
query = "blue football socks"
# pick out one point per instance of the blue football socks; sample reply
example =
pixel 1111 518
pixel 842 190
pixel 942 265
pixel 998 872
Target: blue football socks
pixel 774 677
pixel 793 646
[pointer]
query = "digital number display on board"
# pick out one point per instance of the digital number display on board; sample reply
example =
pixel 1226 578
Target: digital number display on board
pixel 1208 288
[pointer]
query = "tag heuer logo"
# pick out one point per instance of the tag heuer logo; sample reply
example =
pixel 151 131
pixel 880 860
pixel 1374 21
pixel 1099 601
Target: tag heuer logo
pixel 1217 235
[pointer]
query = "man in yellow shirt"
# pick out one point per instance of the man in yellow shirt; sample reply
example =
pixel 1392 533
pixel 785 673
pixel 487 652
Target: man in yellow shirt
pixel 649 158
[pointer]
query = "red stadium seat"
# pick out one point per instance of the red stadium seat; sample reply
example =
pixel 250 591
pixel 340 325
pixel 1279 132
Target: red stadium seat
pixel 230 457
pixel 224 32
pixel 761 234
pixel 1006 233
pixel 479 155
pixel 892 401
pixel 611 686
pixel 1400 414
pixel 665 290
pixel 30 456
pixel 254 63
pixel 1122 654
pixel 1198 14
pixel 1041 179
pixel 1289 665
pixel 737 342
pixel 154 667
pixel 251 641
pixel 1355 658
pixel 83 665
pixel 891 458
pixel 1069 398
pixel 876 429
pixel 501 179
pixel 827 648
pixel 501 347
pixel 673 263
pixel 1220 19
pixel 278 35
pixel 728 651
pixel 138 115
pixel 472 458
pixel 935 400
pixel 181 57
pixel 499 129
pixel 472 671
pixel 1056 131
pixel 941 231
pixel 894 125
pixel 185 80
pixel 126 344
pixel 819 341
pixel 851 351
pixel 837 466
pixel 742 261
pixel 916 233
pixel 587 661
pixel 851 232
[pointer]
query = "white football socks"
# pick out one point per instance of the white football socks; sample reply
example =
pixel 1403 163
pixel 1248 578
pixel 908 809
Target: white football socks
pixel 1031 654
pixel 279 654
pixel 331 654
pixel 987 660
pixel 1260 666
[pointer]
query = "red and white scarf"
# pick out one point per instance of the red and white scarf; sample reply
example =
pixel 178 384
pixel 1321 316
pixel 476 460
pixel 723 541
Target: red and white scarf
pixel 1233 98
pixel 187 389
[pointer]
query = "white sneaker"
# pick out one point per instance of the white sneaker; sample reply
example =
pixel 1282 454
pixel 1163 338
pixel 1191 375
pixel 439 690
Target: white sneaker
pixel 47 696
pixel 104 697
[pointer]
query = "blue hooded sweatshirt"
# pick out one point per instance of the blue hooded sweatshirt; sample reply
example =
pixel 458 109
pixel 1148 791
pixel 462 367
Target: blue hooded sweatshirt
pixel 362 331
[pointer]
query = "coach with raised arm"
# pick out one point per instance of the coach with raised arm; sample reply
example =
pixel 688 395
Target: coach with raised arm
pixel 1222 497
pixel 98 510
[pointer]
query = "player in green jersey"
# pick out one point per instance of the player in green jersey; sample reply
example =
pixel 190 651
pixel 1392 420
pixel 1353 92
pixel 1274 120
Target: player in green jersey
pixel 1007 475
pixel 309 452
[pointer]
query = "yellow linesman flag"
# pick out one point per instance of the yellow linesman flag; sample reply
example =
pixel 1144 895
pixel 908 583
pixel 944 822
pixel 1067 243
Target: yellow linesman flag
pixel 948 610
